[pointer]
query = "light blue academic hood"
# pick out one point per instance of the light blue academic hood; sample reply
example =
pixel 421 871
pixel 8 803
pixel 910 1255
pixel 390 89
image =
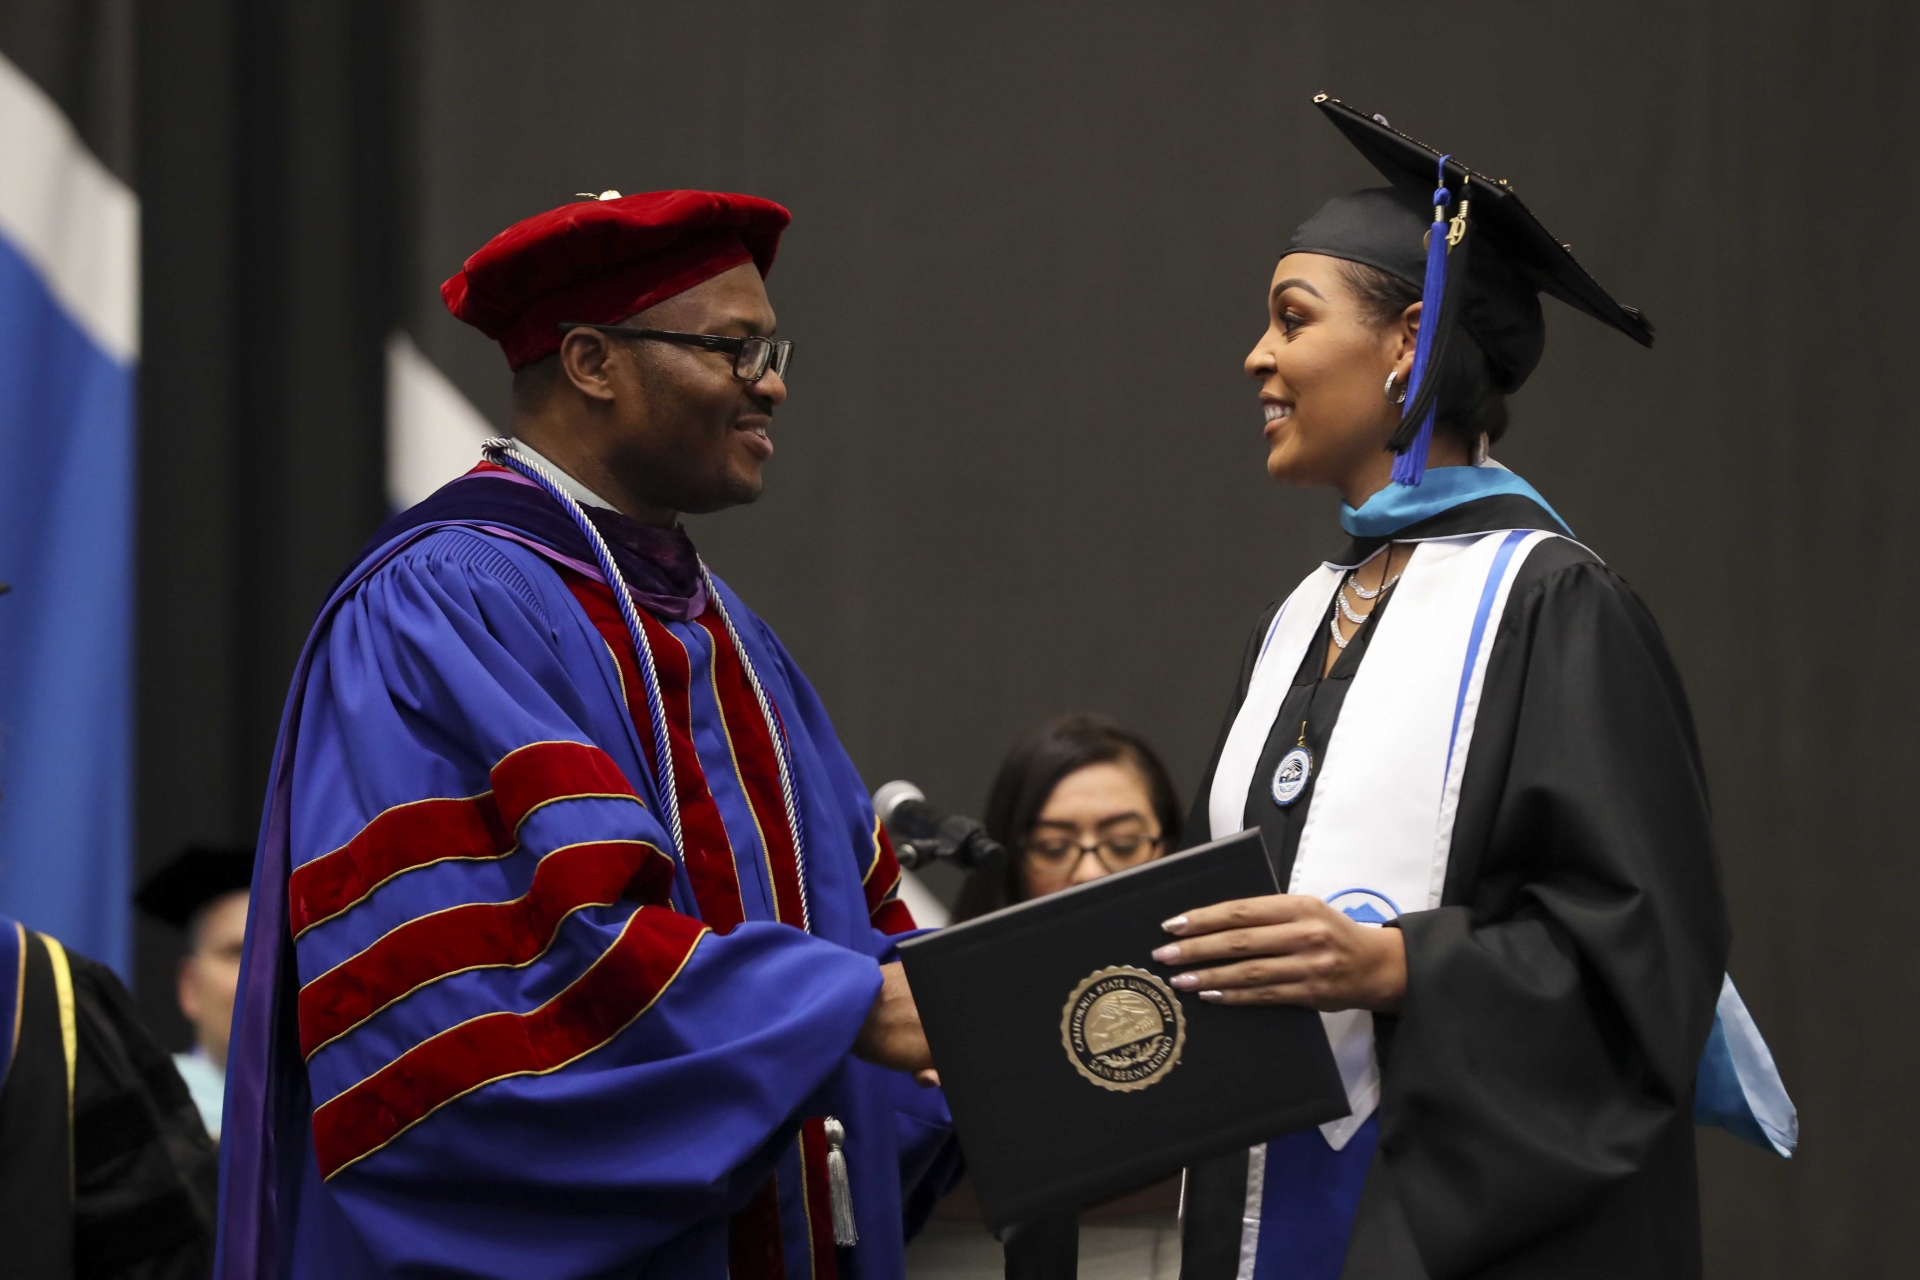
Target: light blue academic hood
pixel 1443 488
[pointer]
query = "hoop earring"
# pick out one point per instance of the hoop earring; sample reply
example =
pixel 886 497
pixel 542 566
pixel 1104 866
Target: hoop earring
pixel 1391 398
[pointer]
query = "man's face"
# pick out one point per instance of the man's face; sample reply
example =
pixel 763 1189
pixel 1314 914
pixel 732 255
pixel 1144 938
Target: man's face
pixel 687 434
pixel 210 974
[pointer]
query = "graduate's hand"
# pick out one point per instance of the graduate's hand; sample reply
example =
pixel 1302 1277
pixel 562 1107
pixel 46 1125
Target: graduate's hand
pixel 891 1036
pixel 1287 949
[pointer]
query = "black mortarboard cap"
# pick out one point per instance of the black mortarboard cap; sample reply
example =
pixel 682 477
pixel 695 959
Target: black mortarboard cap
pixel 194 879
pixel 1514 258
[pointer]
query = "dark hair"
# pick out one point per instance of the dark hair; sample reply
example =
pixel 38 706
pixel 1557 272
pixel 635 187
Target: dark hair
pixel 1469 404
pixel 1027 778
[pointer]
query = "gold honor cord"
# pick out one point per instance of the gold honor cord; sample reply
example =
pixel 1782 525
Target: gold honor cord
pixel 20 994
pixel 69 1038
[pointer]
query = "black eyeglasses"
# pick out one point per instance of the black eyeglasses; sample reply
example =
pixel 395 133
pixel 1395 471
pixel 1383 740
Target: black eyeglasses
pixel 752 357
pixel 1116 851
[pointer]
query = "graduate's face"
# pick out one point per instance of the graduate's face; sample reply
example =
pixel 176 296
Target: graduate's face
pixel 1322 367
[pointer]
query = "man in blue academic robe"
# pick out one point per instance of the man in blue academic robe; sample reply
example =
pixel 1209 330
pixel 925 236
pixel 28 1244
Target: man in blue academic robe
pixel 572 943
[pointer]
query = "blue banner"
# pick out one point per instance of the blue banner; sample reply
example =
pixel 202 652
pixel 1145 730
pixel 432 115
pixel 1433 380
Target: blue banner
pixel 68 334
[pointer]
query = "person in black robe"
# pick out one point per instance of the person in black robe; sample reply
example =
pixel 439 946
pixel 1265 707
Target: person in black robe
pixel 1537 1030
pixel 105 1170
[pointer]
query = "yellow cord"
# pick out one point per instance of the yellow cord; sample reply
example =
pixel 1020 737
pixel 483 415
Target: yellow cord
pixel 19 994
pixel 69 1039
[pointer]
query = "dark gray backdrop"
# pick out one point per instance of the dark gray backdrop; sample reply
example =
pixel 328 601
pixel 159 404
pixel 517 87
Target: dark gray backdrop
pixel 1021 469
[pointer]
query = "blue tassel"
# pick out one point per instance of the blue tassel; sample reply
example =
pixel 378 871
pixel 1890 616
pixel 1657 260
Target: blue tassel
pixel 1410 467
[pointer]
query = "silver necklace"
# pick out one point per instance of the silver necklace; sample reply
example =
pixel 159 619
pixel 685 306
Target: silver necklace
pixel 1353 579
pixel 1374 594
pixel 1357 619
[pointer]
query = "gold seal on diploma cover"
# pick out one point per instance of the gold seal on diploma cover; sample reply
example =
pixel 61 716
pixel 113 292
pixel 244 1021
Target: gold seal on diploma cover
pixel 1123 1028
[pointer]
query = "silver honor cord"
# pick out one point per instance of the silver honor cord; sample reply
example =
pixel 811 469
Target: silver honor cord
pixel 501 452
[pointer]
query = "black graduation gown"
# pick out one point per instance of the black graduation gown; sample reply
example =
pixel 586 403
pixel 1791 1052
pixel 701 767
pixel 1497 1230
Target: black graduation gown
pixel 1537 1085
pixel 125 1189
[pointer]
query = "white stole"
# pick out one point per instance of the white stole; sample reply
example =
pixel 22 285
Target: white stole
pixel 1380 825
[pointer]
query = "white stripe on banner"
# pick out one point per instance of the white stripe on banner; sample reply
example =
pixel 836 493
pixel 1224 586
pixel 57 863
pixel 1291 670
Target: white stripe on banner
pixel 433 432
pixel 68 216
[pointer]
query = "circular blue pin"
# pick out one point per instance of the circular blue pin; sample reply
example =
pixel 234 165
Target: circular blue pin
pixel 1290 779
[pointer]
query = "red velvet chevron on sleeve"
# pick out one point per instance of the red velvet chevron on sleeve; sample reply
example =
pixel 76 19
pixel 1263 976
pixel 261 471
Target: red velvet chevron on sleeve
pixel 480 935
pixel 409 836
pixel 621 985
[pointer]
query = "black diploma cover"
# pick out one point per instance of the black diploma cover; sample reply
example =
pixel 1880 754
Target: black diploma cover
pixel 1076 1072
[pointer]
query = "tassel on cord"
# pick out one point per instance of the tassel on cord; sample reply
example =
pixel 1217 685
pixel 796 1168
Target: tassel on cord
pixel 839 1193
pixel 1410 466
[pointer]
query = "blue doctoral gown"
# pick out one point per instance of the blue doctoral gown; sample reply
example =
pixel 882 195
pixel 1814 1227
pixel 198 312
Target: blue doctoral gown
pixel 489 1025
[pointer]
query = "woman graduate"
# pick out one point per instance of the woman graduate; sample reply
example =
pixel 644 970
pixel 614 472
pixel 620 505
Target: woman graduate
pixel 1466 728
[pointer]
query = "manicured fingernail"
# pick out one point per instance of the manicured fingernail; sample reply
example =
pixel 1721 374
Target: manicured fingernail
pixel 1212 995
pixel 1167 954
pixel 1176 925
pixel 1185 981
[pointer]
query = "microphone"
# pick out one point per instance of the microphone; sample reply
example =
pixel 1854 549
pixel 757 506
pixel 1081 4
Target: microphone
pixel 926 833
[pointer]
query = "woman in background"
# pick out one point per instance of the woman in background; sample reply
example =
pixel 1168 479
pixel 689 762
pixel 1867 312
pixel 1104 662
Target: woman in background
pixel 1078 798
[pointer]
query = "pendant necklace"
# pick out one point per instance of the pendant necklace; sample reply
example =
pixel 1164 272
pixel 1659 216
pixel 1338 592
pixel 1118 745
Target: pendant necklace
pixel 1295 771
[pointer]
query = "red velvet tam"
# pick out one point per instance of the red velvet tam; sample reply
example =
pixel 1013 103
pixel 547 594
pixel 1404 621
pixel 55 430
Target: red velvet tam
pixel 599 261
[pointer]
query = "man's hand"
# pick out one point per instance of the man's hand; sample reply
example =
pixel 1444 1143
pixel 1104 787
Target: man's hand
pixel 892 1037
pixel 1287 949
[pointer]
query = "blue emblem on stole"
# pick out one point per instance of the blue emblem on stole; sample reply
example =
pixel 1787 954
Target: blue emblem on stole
pixel 1368 906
